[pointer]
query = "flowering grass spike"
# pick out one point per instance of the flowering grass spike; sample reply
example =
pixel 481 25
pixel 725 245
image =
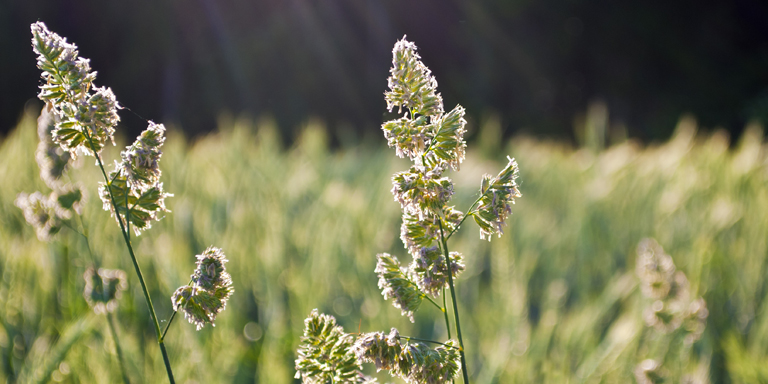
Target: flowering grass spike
pixel 86 115
pixel 103 287
pixel 414 362
pixel 135 182
pixel 52 160
pixel 395 284
pixel 434 141
pixel 43 212
pixel 207 295
pixel 429 269
pixel 497 196
pixel 325 354
pixel 672 308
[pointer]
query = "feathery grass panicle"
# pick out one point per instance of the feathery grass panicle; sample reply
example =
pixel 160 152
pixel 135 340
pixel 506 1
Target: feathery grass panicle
pixel 84 120
pixel 409 137
pixel 52 160
pixel 649 371
pixel 380 349
pixel 137 175
pixel 207 295
pixel 417 233
pixel 421 364
pixel 48 213
pixel 103 287
pixel 421 191
pixel 326 355
pixel 655 269
pixel 411 83
pixel 498 194
pixel 42 212
pixel 426 134
pixel 70 197
pixel 210 272
pixel 82 110
pixel 448 143
pixel 142 206
pixel 395 283
pixel 429 269
pixel 414 362
pixel 434 141
pixel 672 307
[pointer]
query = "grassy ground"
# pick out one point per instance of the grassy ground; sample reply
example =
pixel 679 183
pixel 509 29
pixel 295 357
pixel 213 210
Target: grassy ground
pixel 555 300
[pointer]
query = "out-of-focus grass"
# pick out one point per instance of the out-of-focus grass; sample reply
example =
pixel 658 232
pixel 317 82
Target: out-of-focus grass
pixel 553 300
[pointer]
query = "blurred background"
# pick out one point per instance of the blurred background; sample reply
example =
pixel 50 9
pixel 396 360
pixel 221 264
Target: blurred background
pixel 536 64
pixel 628 121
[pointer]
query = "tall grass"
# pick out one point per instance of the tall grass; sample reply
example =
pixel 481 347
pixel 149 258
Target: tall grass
pixel 554 300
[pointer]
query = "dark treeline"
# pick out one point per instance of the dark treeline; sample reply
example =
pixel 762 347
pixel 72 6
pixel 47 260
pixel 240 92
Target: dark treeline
pixel 537 64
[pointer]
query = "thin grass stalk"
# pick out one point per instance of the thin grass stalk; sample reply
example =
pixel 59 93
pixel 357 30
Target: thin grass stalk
pixel 127 240
pixel 445 313
pixel 453 299
pixel 118 349
pixel 173 316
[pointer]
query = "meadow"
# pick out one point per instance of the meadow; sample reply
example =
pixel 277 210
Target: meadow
pixel 554 300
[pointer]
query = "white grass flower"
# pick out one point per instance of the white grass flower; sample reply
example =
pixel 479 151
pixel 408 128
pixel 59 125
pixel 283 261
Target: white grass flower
pixel 380 349
pixel 695 320
pixel 649 371
pixel 395 284
pixel 70 197
pixel 411 83
pixel 325 353
pixel 207 295
pixel 407 136
pixel 655 269
pixel 140 160
pixel 448 143
pixel 211 272
pixel 103 288
pixel 43 212
pixel 422 364
pixel 429 269
pixel 414 362
pixel 426 134
pixel 421 191
pixel 138 177
pixel 140 207
pixel 672 308
pixel 187 300
pixel 200 306
pixel 498 194
pixel 65 73
pixel 51 159
pixel 417 233
pixel 86 115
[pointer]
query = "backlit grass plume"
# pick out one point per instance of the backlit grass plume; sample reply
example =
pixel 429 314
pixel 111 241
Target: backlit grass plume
pixel 413 362
pixel 103 287
pixel 434 141
pixel 396 285
pixel 672 306
pixel 80 118
pixel 135 180
pixel 86 115
pixel 53 160
pixel 672 311
pixel 207 294
pixel 325 354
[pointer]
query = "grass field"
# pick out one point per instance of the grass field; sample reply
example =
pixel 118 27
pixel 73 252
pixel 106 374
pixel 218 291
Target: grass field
pixel 554 300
